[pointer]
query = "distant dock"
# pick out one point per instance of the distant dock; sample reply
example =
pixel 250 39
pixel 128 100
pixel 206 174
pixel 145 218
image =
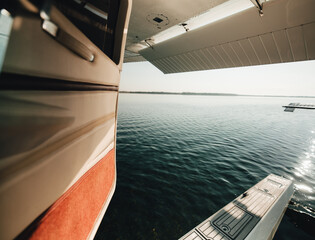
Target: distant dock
pixel 292 106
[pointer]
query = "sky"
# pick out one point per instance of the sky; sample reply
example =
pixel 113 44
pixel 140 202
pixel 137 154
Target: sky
pixel 285 79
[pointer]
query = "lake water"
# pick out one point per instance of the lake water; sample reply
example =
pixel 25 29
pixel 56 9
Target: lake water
pixel 181 158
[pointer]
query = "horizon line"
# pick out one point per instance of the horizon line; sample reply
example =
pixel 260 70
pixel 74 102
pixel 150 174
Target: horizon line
pixel 211 93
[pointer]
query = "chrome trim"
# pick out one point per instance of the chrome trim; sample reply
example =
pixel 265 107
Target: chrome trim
pixel 50 28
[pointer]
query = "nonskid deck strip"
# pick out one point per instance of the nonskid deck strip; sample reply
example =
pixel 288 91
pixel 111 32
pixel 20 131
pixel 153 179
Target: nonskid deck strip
pixel 252 210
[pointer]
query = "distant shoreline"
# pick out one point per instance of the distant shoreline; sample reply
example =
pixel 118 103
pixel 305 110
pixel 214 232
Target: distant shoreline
pixel 213 94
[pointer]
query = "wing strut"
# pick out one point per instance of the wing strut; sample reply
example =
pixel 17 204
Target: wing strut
pixel 259 5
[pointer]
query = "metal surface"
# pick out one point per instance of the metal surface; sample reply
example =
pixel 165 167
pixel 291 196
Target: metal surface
pixel 247 212
pixel 50 28
pixel 5 29
pixel 175 12
pixel 68 41
pixel 23 82
pixel 284 34
pixel 59 115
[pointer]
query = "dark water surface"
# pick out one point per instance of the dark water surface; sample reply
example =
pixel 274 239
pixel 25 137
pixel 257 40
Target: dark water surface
pixel 181 158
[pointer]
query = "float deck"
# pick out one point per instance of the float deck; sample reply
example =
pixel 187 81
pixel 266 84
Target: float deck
pixel 256 214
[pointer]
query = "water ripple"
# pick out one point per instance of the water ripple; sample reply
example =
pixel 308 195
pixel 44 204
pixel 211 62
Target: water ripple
pixel 181 158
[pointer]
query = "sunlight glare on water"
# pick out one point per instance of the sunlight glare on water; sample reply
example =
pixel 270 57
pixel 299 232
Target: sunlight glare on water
pixel 181 158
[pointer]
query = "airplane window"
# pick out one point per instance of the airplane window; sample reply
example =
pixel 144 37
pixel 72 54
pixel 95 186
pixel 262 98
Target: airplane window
pixel 95 18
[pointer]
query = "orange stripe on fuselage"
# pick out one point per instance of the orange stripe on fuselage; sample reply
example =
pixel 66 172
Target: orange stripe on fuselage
pixel 73 215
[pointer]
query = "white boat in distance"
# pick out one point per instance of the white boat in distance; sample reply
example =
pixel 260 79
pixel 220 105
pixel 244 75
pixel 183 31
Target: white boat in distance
pixel 60 67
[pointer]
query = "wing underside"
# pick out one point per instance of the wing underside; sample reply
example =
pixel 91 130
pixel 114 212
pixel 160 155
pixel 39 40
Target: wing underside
pixel 284 32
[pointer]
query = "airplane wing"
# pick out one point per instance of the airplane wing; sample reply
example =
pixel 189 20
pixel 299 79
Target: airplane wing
pixel 220 34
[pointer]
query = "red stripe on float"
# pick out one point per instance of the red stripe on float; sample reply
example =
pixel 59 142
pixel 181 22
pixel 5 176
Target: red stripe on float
pixel 73 215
